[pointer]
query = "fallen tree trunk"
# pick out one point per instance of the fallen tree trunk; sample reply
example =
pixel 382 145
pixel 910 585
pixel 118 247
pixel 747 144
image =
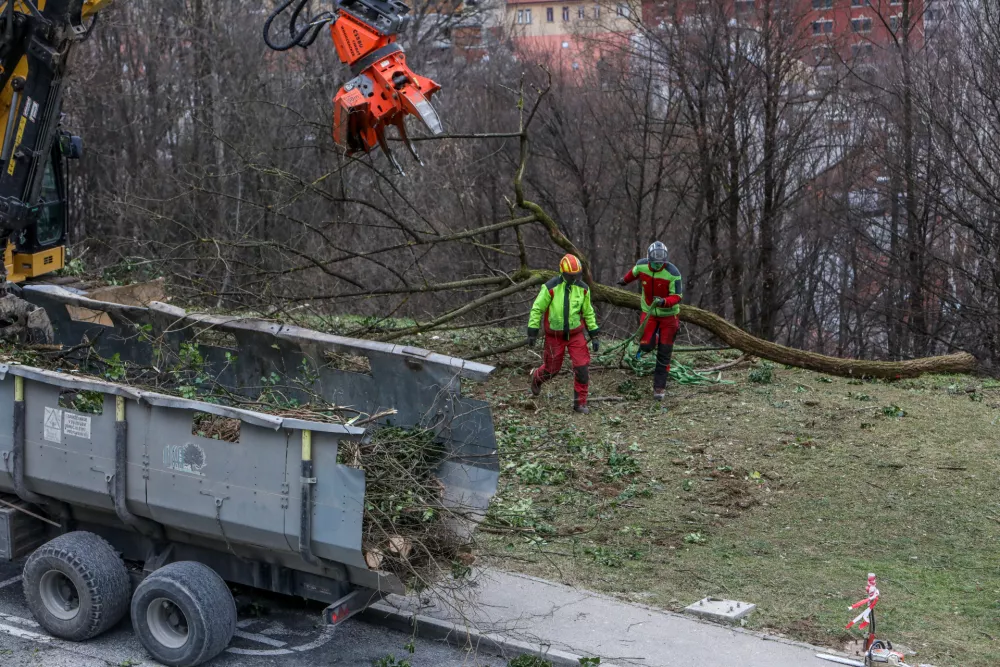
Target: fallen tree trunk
pixel 959 362
pixel 729 333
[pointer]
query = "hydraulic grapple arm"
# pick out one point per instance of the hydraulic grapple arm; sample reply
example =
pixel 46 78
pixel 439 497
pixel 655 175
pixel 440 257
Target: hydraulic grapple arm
pixel 383 90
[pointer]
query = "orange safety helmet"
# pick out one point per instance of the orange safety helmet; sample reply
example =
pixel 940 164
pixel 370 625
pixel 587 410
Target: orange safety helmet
pixel 570 265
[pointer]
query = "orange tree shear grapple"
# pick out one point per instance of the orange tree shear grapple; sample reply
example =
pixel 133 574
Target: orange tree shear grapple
pixel 384 89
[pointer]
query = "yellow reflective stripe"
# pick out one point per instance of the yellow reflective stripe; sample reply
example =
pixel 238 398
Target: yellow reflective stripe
pixel 307 445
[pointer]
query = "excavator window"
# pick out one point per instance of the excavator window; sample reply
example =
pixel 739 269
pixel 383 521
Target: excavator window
pixel 51 220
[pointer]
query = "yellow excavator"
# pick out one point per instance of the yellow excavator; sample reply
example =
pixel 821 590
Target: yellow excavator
pixel 36 40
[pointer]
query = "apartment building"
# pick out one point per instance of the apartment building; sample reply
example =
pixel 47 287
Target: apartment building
pixel 855 30
pixel 570 35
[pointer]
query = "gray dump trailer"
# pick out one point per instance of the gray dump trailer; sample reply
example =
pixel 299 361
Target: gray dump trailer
pixel 125 508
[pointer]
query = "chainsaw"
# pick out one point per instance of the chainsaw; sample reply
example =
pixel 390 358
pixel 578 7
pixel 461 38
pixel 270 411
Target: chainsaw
pixel 383 90
pixel 881 652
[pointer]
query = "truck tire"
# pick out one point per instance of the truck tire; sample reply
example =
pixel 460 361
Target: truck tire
pixel 184 614
pixel 76 586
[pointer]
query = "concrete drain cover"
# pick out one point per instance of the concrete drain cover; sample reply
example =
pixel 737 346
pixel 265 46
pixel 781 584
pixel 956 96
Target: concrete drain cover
pixel 717 609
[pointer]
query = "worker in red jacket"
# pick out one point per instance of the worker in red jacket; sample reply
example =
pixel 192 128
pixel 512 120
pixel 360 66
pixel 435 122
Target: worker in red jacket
pixel 662 291
pixel 564 309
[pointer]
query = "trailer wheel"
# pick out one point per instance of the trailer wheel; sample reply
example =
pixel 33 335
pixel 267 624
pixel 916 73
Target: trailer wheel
pixel 76 586
pixel 184 614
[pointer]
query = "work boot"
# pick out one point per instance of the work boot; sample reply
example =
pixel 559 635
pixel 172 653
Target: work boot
pixel 536 385
pixel 582 409
pixel 658 394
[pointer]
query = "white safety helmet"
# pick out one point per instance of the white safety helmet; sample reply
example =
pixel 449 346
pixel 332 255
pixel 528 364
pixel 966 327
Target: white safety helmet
pixel 657 254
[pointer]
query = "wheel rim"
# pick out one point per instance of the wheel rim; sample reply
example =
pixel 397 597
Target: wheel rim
pixel 59 595
pixel 167 623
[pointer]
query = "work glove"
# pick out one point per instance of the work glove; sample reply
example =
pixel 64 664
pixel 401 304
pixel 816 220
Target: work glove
pixel 595 343
pixel 621 282
pixel 532 337
pixel 658 302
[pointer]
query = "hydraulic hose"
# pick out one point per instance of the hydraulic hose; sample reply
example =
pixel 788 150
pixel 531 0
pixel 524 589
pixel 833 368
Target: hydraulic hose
pixel 303 37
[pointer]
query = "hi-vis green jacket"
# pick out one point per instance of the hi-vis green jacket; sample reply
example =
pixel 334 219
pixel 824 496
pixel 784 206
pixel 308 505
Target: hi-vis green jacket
pixel 665 283
pixel 563 307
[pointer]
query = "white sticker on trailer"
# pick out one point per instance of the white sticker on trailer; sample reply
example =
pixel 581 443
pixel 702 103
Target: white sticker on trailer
pixel 53 425
pixel 76 425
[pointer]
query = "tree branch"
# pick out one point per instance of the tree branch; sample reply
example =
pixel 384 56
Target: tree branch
pixel 458 312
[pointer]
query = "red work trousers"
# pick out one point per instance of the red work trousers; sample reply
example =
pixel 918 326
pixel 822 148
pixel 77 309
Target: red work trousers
pixel 659 332
pixel 579 355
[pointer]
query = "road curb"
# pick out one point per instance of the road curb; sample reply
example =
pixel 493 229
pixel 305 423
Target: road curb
pixel 463 636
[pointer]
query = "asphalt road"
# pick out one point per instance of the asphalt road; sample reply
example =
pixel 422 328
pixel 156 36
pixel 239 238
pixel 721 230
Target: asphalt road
pixel 272 632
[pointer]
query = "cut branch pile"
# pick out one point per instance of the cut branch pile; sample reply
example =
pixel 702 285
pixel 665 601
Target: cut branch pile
pixel 407 529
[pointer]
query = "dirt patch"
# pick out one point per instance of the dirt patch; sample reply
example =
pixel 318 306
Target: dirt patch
pixel 734 494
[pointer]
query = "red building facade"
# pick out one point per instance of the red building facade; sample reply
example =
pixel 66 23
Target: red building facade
pixel 830 30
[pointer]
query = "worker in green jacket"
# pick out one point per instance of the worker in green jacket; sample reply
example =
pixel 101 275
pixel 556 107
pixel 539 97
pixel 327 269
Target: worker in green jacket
pixel 563 307
pixel 662 293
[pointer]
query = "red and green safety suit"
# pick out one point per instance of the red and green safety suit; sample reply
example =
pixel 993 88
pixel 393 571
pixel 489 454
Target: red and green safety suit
pixel 565 311
pixel 661 323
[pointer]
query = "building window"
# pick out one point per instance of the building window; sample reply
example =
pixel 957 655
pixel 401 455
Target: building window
pixel 823 27
pixel 549 14
pixel 861 24
pixel 622 10
pixel 744 6
pixel 894 22
pixel 822 4
pixel 895 2
pixel 823 55
pixel 581 13
pixel 597 11
pixel 861 50
pixel 524 16
pixel 859 3
pixel 565 13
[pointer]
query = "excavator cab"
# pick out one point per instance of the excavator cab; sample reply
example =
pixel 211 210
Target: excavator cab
pixel 40 248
